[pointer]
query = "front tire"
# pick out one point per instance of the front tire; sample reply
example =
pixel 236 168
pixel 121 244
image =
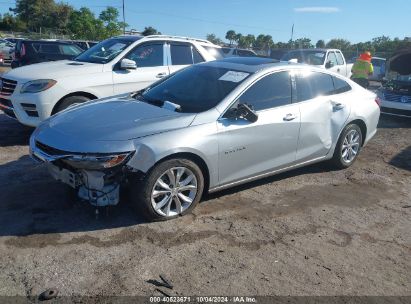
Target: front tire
pixel 170 189
pixel 70 101
pixel 348 147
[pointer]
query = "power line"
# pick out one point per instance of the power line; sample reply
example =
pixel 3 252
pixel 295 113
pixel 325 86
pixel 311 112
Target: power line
pixel 203 20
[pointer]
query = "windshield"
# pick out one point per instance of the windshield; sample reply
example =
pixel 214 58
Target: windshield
pixel 196 89
pixel 104 51
pixel 312 57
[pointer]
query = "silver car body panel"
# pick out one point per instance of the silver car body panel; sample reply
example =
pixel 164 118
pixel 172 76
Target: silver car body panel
pixel 234 151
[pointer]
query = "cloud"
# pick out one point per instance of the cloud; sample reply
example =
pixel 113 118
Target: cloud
pixel 317 9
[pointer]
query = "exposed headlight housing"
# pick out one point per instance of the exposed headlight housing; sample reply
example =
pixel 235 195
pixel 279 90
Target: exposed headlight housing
pixel 36 86
pixel 97 162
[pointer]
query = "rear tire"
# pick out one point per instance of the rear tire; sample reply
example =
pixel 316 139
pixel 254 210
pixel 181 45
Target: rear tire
pixel 348 147
pixel 70 101
pixel 170 189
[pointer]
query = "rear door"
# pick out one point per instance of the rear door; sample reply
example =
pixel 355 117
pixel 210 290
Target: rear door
pixel 151 66
pixel 323 112
pixel 249 148
pixel 182 55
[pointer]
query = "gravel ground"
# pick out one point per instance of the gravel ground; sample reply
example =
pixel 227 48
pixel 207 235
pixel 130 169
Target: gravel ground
pixel 312 231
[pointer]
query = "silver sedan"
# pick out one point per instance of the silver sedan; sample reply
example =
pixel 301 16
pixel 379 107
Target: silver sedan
pixel 208 127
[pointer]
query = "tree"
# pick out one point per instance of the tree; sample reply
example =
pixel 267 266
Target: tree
pixel 36 13
pixel 231 36
pixel 303 43
pixel 214 39
pixel 109 17
pixel 84 25
pixel 150 31
pixel 11 23
pixel 341 44
pixel 320 44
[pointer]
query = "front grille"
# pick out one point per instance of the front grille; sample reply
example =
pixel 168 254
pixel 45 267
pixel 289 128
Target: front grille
pixel 396 97
pixel 8 86
pixel 49 150
pixel 5 102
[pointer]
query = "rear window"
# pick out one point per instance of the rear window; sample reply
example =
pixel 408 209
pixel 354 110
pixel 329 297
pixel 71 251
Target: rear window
pixel 340 86
pixel 217 53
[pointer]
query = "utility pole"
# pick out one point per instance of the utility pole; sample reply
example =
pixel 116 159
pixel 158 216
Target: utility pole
pixel 124 21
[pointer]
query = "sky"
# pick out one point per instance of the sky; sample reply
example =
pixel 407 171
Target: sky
pixel 355 20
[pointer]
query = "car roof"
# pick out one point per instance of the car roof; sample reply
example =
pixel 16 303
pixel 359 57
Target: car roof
pixel 246 64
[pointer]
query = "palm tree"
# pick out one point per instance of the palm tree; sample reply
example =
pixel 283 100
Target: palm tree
pixel 230 36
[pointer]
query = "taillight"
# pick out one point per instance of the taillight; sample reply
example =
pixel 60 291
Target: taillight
pixel 378 101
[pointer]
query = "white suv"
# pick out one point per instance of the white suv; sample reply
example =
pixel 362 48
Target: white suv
pixel 114 66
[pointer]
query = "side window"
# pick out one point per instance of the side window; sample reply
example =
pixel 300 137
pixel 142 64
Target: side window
pixel 340 86
pixel 331 57
pixel 181 54
pixel 49 49
pixel 147 55
pixel 340 59
pixel 197 56
pixel 272 91
pixel 312 85
pixel 69 50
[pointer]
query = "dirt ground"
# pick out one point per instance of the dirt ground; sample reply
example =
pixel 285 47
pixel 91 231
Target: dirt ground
pixel 312 231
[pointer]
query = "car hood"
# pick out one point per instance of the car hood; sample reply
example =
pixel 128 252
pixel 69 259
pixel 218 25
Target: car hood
pixel 53 70
pixel 398 73
pixel 112 120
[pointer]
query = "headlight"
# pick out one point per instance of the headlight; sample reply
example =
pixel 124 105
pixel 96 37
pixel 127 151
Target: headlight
pixel 97 162
pixel 36 86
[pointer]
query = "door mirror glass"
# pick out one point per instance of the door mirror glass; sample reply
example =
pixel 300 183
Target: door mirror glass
pixel 127 64
pixel 329 64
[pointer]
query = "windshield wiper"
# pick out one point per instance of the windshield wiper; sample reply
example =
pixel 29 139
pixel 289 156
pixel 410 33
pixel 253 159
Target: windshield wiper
pixel 139 96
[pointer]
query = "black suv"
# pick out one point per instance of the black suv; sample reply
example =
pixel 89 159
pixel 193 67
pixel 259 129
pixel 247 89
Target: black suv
pixel 34 51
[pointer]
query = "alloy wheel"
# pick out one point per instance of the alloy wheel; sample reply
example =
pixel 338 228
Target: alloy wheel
pixel 350 146
pixel 174 191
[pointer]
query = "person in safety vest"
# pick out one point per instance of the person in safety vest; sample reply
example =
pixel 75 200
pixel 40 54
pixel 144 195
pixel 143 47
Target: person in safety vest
pixel 361 69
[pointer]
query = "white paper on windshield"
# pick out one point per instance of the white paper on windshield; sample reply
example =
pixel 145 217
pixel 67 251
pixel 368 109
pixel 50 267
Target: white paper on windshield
pixel 233 76
pixel 320 55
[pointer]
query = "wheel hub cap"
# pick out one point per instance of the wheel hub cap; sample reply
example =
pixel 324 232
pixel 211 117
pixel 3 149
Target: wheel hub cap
pixel 350 146
pixel 174 191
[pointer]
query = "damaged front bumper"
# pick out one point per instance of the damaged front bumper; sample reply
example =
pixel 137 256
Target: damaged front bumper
pixel 96 177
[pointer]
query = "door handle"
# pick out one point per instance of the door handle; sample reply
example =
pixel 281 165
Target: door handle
pixel 161 75
pixel 289 117
pixel 337 105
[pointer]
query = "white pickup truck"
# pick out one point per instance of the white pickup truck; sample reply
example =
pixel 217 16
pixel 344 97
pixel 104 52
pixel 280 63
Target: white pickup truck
pixel 330 59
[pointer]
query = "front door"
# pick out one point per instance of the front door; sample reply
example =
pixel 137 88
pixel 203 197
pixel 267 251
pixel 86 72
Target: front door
pixel 151 66
pixel 247 149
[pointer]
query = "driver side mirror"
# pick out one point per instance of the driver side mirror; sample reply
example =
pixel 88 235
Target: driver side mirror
pixel 127 64
pixel 242 111
pixel 329 64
